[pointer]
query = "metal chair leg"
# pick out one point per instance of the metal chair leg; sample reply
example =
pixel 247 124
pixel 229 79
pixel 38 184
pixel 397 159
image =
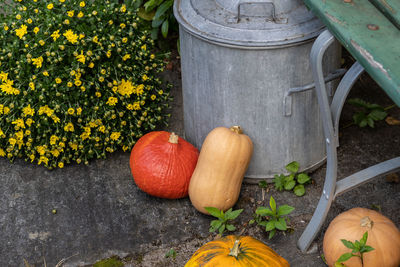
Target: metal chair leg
pixel 329 115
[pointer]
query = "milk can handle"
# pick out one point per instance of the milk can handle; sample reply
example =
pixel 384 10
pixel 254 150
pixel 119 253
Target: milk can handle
pixel 274 18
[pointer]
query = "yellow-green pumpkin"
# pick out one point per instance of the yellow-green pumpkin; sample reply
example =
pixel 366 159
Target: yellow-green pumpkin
pixel 235 251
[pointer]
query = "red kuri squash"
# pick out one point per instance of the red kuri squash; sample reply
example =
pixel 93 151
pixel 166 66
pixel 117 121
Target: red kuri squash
pixel 162 164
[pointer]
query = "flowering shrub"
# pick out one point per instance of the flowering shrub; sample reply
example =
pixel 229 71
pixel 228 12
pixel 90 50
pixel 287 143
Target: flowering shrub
pixel 77 80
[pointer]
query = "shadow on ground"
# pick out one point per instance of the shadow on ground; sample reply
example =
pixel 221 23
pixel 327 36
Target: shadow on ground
pixel 96 211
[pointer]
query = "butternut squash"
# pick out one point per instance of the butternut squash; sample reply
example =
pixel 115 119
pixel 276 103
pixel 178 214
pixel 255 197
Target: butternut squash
pixel 218 176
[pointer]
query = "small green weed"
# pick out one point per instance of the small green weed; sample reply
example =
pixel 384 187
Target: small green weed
pixel 222 224
pixel 358 249
pixel 294 181
pixel 275 217
pixel 368 114
pixel 171 254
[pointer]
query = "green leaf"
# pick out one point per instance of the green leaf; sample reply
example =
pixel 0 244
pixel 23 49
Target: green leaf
pixel 262 184
pixel 357 102
pixel 216 224
pixel 357 245
pixel 303 178
pixel 154 34
pixel 345 257
pixel 271 234
pixel 377 115
pixel 366 249
pixel 263 211
pixel 363 123
pixel 293 167
pixel 215 212
pixel 284 210
pixel 163 8
pixel 230 227
pixel 279 181
pixel 289 177
pixel 221 229
pixel 270 226
pixel 299 190
pixel 289 185
pixel 252 221
pixel 231 215
pixel 338 264
pixel 146 15
pixel 363 240
pixel 157 22
pixel 370 122
pixel 348 244
pixel 272 204
pixel 281 224
pixel 359 117
pixel 151 4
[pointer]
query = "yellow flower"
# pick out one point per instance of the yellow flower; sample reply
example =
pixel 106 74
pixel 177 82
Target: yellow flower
pixel 95 39
pixel 36 30
pixel 70 84
pixel 61 144
pixel 81 36
pixel 20 32
pixel 82 4
pixel 29 21
pixel 153 97
pixel 12 141
pixel 112 101
pixel 115 135
pixel 143 47
pixel 103 71
pixel 83 88
pixel 70 13
pixel 36 10
pixel 45 73
pixel 78 82
pixel 129 106
pixel 55 119
pixel 62 1
pixel 80 14
pixel 58 80
pixel 29 122
pixel 61 164
pixel 2 153
pixel 37 62
pixel 5 28
pixel 73 146
pixel 18 16
pixel 81 58
pixel 126 57
pixel 110 22
pixel 55 35
pixel 78 111
pixel 123 8
pixel 101 79
pixel 122 25
pixel 136 106
pixel 69 127
pixel 66 21
pixel 102 128
pixel 145 78
pixel 98 94
pixel 32 157
pixel 125 88
pixel 152 56
pixel 28 111
pixel 71 36
pixel 71 111
pixel 124 40
pixel 53 140
pixel 55 153
pixel 19 123
pixel 50 6
pixel 43 159
pixel 109 53
pixel 160 92
pixel 3 76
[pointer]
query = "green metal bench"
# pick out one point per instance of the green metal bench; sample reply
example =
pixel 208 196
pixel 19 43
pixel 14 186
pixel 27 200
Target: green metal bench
pixel 370 31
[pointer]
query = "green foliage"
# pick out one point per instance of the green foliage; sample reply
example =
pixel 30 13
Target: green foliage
pixel 110 262
pixel 78 79
pixel 262 184
pixel 272 218
pixel 368 114
pixel 294 181
pixel 160 13
pixel 224 218
pixel 171 254
pixel 358 248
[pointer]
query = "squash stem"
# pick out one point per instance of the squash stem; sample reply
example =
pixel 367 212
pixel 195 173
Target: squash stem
pixel 236 129
pixel 366 222
pixel 235 250
pixel 173 138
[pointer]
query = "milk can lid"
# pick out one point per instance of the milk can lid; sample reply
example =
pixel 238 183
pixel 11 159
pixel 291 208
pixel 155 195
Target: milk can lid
pixel 248 23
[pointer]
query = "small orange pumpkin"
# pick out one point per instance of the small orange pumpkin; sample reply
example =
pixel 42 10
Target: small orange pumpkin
pixel 383 236
pixel 235 251
pixel 162 164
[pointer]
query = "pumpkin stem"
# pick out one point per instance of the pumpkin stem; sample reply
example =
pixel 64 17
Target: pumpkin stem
pixel 173 138
pixel 366 222
pixel 236 129
pixel 235 250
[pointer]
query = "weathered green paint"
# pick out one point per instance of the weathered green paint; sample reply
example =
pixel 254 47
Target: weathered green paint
pixel 368 35
pixel 390 8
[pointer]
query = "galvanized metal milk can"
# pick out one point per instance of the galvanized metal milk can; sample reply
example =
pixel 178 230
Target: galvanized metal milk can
pixel 246 62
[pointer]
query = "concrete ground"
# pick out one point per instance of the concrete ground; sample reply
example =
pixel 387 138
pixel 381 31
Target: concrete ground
pixel 100 212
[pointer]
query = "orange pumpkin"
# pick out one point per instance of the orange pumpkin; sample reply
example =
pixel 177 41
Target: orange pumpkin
pixel 162 164
pixel 383 236
pixel 232 251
